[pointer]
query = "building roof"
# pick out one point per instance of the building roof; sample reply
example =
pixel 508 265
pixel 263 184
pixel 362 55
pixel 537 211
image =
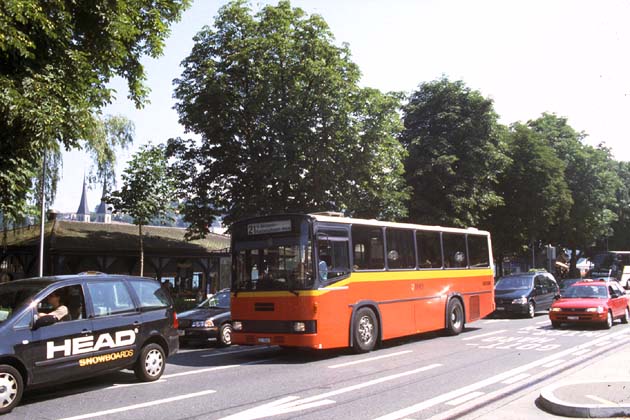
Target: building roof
pixel 115 238
pixel 83 205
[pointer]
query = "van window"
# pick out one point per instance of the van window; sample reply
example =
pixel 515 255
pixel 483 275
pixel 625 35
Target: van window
pixel 150 294
pixel 110 297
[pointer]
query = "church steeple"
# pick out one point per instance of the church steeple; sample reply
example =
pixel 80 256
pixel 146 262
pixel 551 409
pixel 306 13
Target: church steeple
pixel 103 214
pixel 83 212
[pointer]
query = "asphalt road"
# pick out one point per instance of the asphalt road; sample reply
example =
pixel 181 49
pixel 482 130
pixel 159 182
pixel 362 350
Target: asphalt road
pixel 415 378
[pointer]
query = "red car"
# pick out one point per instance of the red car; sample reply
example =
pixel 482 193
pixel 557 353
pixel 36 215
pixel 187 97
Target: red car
pixel 590 302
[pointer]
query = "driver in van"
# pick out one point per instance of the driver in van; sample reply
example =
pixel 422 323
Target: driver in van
pixel 59 311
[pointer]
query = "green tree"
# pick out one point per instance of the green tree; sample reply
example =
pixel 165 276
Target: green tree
pixel 535 195
pixel 455 154
pixel 113 132
pixel 591 178
pixel 147 191
pixel 284 125
pixel 56 60
pixel 620 239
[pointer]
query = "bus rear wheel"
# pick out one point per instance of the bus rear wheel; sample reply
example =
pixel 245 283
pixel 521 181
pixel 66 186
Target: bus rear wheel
pixel 454 317
pixel 365 331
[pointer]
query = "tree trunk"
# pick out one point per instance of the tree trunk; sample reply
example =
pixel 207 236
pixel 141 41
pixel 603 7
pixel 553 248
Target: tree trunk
pixel 141 251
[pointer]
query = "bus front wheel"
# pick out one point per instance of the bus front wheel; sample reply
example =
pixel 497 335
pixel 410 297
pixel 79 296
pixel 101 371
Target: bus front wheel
pixel 454 317
pixel 365 330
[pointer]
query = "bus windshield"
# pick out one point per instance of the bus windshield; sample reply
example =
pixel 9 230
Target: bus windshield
pixel 281 266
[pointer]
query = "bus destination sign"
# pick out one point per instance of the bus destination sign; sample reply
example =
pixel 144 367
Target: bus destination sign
pixel 269 227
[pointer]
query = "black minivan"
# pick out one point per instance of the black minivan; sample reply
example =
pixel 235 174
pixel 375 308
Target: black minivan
pixel 525 293
pixel 64 328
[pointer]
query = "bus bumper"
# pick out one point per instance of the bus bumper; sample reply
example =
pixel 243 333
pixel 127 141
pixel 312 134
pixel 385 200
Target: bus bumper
pixel 275 339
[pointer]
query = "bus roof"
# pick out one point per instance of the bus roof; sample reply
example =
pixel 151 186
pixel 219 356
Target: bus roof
pixel 373 222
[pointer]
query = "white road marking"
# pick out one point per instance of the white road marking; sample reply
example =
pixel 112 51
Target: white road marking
pixel 371 359
pixel 193 372
pixel 543 322
pixel 405 412
pixel 115 386
pixel 465 398
pixel 474 337
pixel 581 352
pixel 231 352
pixel 142 405
pixel 554 363
pixel 516 378
pixel 292 404
pixel 604 343
pixel 602 400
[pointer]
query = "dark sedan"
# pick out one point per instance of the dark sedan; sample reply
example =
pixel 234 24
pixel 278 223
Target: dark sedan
pixel 208 321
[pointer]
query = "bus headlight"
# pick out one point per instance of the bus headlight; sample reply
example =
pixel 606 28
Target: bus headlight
pixel 299 327
pixel 237 325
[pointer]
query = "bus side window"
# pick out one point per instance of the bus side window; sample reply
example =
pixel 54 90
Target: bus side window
pixel 400 251
pixel 369 252
pixel 478 253
pixel 454 250
pixel 429 249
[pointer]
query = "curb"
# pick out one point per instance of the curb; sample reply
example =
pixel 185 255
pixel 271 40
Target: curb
pixel 555 405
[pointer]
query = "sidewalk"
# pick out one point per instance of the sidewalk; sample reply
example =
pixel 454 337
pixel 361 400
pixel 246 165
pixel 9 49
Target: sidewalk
pixel 600 388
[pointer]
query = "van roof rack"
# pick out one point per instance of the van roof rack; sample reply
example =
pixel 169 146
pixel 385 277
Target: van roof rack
pixel 329 213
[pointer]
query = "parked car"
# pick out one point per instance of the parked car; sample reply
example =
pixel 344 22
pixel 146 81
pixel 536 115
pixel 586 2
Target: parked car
pixel 208 321
pixel 564 283
pixel 525 293
pixel 64 328
pixel 597 302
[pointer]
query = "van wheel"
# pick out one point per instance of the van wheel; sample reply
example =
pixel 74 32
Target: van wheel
pixel 365 331
pixel 151 363
pixel 225 335
pixel 455 317
pixel 11 388
pixel 531 310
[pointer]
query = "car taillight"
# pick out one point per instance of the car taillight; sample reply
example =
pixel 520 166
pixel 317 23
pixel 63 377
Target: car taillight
pixel 175 321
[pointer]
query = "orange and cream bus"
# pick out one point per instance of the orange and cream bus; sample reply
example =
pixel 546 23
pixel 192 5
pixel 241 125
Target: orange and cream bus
pixel 323 281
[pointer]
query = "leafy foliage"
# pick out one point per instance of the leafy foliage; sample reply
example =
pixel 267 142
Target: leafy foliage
pixel 455 154
pixel 284 125
pixel 148 189
pixel 56 59
pixel 535 194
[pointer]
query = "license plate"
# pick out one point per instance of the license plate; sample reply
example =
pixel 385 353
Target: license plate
pixel 500 308
pixel 264 340
pixel 573 318
pixel 181 332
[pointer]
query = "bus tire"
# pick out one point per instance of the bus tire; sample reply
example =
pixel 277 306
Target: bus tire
pixel 454 317
pixel 11 388
pixel 365 330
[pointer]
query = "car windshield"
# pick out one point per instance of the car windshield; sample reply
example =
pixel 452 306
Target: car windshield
pixel 220 300
pixel 513 283
pixel 591 291
pixel 14 295
pixel 568 282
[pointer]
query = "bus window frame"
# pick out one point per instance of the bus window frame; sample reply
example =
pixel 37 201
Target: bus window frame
pixel 415 237
pixel 415 250
pixel 316 235
pixel 368 270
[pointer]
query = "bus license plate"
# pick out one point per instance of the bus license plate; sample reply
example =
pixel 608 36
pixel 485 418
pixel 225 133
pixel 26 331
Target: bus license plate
pixel 264 340
pixel 573 318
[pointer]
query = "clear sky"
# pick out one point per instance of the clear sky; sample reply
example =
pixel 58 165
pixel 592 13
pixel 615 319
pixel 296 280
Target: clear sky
pixel 569 57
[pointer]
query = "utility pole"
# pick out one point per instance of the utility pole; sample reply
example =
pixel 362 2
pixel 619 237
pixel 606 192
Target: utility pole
pixel 42 218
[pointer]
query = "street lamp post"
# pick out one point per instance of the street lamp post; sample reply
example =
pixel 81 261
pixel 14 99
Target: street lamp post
pixel 42 219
